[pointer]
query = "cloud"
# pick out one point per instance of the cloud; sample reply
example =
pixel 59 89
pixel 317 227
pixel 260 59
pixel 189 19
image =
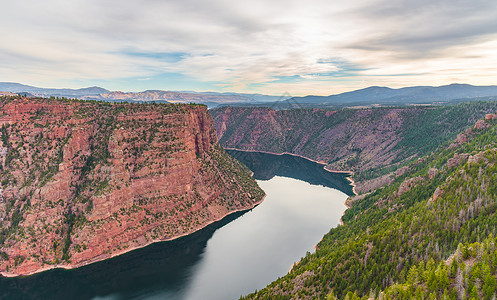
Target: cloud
pixel 419 29
pixel 258 46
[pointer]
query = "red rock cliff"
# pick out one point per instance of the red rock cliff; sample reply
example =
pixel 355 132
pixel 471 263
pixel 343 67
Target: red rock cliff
pixel 85 181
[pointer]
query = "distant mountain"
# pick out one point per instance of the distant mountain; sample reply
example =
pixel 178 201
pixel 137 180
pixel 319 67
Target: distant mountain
pixel 169 96
pixel 253 97
pixel 211 99
pixel 71 93
pixel 402 96
pixel 374 95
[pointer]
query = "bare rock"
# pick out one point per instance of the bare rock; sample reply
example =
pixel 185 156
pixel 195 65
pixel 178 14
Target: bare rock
pixel 461 138
pixel 436 194
pixel 473 159
pixel 481 124
pixel 408 183
pixel 457 159
pixel 490 117
pixel 432 172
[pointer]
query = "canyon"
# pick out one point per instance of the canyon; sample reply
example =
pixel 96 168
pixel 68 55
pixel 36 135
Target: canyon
pixel 427 220
pixel 83 181
pixel 370 143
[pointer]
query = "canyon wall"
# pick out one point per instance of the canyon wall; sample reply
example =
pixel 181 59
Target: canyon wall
pixel 85 181
pixel 372 142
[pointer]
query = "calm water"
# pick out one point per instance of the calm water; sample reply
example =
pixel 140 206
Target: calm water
pixel 233 257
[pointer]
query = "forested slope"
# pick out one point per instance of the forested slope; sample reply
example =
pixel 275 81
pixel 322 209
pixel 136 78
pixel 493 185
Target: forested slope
pixel 397 242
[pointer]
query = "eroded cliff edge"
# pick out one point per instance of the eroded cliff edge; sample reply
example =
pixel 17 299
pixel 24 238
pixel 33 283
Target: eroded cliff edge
pixel 85 181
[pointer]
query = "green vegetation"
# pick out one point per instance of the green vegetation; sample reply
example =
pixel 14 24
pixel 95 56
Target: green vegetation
pixel 424 132
pixel 468 274
pixel 396 245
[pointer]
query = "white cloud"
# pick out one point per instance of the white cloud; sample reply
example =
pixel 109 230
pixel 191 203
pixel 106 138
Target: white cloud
pixel 239 44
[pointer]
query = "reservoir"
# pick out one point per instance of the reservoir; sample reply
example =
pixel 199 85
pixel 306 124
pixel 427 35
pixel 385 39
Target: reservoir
pixel 233 257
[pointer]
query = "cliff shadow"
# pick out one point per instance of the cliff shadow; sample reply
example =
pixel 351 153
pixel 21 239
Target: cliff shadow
pixel 265 166
pixel 161 268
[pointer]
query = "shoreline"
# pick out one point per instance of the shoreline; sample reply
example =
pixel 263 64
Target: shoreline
pixel 349 178
pixel 99 259
pixel 350 173
pixel 109 256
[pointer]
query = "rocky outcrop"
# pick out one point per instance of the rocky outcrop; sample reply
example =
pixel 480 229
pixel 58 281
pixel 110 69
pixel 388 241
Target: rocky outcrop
pixel 461 138
pixel 407 184
pixel 438 192
pixel 457 159
pixel 490 117
pixel 473 159
pixel 481 124
pixel 85 181
pixel 432 172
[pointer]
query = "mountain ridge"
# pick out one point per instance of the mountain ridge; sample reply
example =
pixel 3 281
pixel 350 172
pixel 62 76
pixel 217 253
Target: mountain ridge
pixel 164 96
pixel 370 142
pixel 412 95
pixel 373 95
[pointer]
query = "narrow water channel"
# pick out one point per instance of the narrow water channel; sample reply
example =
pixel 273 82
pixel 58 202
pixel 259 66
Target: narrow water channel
pixel 233 257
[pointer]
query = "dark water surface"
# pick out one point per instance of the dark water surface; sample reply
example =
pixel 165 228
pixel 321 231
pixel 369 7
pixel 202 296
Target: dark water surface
pixel 265 166
pixel 233 257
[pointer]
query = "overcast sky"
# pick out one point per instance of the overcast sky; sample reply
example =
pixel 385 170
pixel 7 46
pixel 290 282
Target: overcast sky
pixel 271 47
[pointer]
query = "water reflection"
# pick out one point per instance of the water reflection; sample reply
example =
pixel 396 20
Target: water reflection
pixel 159 268
pixel 235 256
pixel 265 166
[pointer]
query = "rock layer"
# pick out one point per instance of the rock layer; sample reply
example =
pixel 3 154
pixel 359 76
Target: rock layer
pixel 85 181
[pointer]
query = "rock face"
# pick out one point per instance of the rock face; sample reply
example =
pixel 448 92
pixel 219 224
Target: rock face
pixel 85 181
pixel 370 142
pixel 432 172
pixel 347 140
pixel 457 159
pixel 344 138
pixel 481 124
pixel 436 194
pixel 490 117
pixel 408 183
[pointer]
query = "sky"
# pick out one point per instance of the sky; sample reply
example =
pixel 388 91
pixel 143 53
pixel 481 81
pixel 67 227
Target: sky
pixel 270 47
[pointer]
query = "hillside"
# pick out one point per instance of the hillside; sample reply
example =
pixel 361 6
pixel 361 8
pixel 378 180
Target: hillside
pixel 372 143
pixel 429 234
pixel 407 95
pixel 85 181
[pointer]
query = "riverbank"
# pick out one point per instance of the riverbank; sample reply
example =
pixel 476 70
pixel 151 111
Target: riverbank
pixel 350 173
pixel 129 249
